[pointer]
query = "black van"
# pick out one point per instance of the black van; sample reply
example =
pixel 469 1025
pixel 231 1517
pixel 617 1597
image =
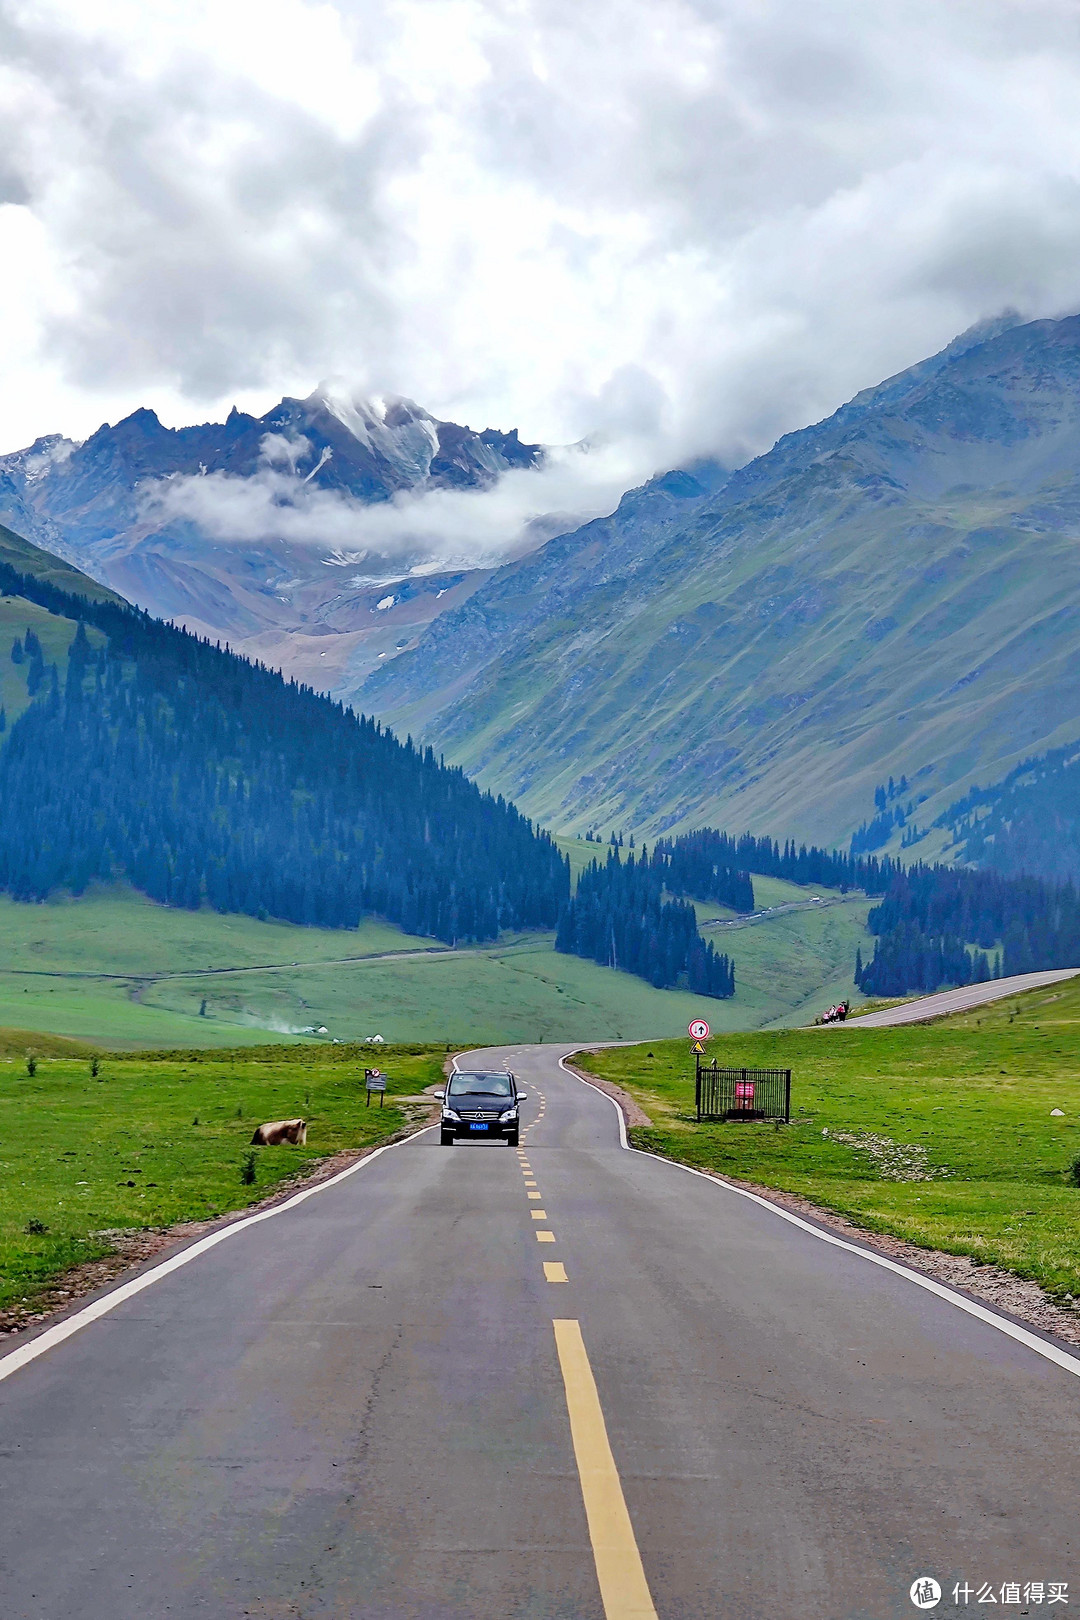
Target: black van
pixel 477 1107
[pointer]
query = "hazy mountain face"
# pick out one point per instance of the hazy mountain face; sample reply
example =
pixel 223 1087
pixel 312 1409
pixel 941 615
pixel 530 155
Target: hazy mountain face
pixel 895 590
pixel 253 529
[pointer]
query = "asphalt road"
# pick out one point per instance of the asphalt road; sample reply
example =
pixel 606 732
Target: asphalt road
pixel 361 1407
pixel 951 1001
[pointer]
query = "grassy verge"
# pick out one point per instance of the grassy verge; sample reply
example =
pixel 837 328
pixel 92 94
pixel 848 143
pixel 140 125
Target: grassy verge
pixel 941 1134
pixel 158 1139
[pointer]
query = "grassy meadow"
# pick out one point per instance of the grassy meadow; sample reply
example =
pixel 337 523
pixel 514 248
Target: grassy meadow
pixel 153 1140
pixel 942 1134
pixel 114 968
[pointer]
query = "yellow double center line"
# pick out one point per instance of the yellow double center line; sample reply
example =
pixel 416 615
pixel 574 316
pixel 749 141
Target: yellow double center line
pixel 624 1590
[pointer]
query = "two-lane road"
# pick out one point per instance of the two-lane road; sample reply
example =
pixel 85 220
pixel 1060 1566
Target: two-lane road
pixel 361 1407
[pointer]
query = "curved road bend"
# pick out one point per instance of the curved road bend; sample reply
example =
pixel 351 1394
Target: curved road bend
pixel 358 1409
pixel 952 1001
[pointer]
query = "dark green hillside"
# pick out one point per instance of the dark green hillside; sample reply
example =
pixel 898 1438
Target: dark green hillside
pixel 1030 822
pixel 30 560
pixel 893 591
pixel 202 778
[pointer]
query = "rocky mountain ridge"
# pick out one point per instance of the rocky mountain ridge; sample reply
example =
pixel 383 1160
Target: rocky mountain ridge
pixel 147 510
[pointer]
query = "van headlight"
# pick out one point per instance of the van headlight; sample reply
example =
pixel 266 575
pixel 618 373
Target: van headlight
pixel 448 1113
pixel 511 1113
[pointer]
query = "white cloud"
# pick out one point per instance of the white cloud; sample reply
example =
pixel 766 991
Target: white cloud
pixel 448 528
pixel 698 223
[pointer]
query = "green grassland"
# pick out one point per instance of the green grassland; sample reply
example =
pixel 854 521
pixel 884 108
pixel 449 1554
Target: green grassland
pixel 115 968
pixel 156 1140
pixel 964 1103
pixel 792 963
pixel 55 634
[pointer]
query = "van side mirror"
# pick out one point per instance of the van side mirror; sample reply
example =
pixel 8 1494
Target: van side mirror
pixel 522 1096
pixel 440 1096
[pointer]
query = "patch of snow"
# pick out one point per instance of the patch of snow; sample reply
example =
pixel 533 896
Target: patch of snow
pixel 347 414
pixel 343 559
pixel 386 602
pixel 323 459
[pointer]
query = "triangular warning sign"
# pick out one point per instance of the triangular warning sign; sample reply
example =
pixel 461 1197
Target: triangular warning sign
pixel 697 1048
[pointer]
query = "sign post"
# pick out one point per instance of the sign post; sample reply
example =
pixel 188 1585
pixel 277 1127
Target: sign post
pixel 374 1080
pixel 699 1034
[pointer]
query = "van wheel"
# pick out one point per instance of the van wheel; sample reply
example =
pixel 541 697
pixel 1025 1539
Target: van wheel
pixel 446 1138
pixel 512 1141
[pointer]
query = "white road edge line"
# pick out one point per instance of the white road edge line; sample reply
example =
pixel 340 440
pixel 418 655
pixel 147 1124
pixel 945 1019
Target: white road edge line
pixel 622 1117
pixel 1061 1358
pixel 53 1336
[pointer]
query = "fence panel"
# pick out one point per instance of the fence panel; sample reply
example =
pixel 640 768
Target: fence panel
pixel 742 1093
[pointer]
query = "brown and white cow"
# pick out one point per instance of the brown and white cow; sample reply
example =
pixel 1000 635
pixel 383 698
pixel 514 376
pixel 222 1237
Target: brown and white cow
pixel 279 1131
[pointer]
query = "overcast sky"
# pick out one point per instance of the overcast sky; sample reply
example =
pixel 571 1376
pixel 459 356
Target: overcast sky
pixel 688 224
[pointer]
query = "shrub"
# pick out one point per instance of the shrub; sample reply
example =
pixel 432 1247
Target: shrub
pixel 247 1169
pixel 1072 1174
pixel 35 1228
pixel 31 1064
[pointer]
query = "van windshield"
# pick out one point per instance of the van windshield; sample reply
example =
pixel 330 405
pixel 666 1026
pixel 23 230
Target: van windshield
pixel 485 1085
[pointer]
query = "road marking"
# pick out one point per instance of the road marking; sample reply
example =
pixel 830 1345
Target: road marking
pixel 545 1237
pixel 54 1336
pixel 555 1271
pixel 1012 1330
pixel 623 1587
pixel 538 1214
pixel 622 1118
pixel 532 1195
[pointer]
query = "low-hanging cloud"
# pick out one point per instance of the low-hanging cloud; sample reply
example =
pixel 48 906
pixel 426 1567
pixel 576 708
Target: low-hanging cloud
pixel 416 530
pixel 691 224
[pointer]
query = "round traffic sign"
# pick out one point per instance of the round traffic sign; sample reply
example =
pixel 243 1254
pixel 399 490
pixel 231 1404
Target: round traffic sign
pixel 699 1029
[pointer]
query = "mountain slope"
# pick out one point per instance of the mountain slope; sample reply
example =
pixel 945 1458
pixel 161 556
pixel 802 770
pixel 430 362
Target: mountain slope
pixel 204 779
pixel 140 507
pixel 45 566
pixel 1028 823
pixel 894 590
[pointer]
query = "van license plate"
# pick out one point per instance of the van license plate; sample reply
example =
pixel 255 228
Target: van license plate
pixel 478 1127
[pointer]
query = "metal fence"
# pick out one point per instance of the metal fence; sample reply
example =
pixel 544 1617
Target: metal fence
pixel 743 1093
